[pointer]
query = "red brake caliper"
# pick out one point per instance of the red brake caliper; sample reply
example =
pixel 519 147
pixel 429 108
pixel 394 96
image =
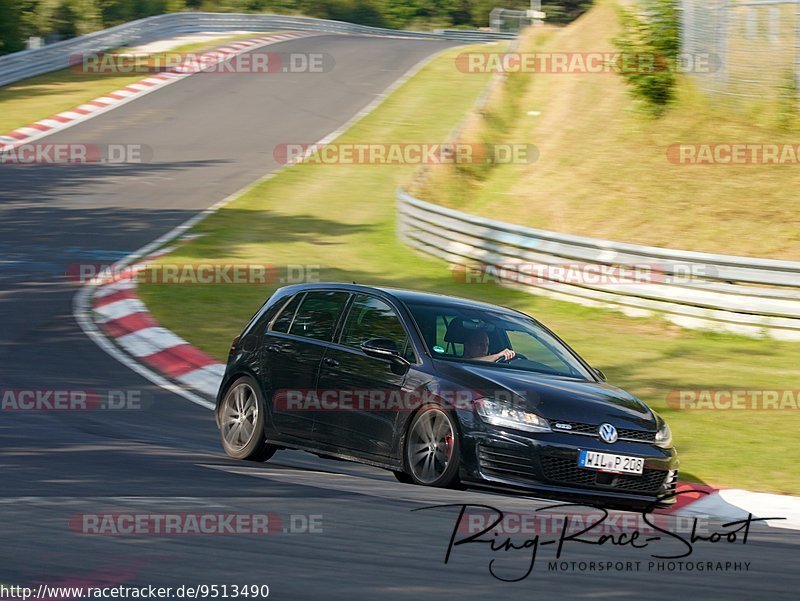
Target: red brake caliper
pixel 448 442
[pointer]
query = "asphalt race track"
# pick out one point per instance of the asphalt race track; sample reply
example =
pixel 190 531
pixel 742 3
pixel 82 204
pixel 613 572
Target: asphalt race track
pixel 211 135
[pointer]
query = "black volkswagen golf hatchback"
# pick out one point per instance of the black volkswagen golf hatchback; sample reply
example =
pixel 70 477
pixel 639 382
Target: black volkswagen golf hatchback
pixel 440 390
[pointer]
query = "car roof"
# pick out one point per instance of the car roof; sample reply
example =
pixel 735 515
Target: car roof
pixel 405 296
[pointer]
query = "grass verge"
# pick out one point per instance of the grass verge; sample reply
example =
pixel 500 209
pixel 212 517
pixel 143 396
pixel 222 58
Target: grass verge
pixel 342 218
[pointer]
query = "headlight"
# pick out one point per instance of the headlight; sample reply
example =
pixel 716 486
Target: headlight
pixel 664 436
pixel 506 415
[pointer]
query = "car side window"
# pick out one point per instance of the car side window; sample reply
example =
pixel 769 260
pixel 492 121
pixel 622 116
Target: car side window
pixel 318 314
pixel 370 317
pixel 443 341
pixel 284 320
pixel 536 350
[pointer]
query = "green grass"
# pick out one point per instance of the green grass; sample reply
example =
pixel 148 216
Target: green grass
pixel 603 169
pixel 40 97
pixel 35 98
pixel 342 218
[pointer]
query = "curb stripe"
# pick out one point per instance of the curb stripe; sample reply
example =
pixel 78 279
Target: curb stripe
pixel 128 324
pixel 66 119
pixel 113 297
pixel 118 309
pixel 205 379
pixel 122 284
pixel 149 341
pixel 179 360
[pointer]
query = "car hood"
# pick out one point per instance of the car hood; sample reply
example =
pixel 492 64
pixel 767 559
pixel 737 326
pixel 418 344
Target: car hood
pixel 554 398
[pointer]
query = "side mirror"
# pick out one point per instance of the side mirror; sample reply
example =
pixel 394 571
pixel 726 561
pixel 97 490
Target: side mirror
pixel 600 374
pixel 383 348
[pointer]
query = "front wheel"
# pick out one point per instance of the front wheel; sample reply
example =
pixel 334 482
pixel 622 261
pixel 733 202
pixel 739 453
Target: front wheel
pixel 242 422
pixel 403 477
pixel 432 450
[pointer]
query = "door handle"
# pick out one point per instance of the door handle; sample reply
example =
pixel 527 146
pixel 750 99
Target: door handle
pixel 274 348
pixel 331 362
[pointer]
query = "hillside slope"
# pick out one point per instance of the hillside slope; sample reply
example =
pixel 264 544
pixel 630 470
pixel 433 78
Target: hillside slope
pixel 604 169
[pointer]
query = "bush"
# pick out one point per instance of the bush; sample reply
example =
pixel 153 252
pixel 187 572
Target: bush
pixel 654 37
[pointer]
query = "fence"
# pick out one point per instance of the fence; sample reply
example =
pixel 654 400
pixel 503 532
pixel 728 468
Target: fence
pixel 755 297
pixel 754 44
pixel 29 63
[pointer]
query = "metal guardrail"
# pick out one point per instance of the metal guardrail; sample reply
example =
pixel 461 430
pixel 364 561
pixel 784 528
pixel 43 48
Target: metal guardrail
pixel 755 297
pixel 28 63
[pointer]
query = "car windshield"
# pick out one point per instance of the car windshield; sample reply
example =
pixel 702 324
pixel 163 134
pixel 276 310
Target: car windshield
pixel 506 340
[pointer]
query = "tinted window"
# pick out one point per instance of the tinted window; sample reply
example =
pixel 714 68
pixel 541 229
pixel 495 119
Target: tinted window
pixel 318 313
pixel 369 318
pixel 447 329
pixel 285 318
pixel 537 350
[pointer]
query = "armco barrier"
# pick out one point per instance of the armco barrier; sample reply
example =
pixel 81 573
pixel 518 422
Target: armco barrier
pixel 750 296
pixel 28 63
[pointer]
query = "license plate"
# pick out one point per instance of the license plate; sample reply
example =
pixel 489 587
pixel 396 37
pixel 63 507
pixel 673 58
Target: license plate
pixel 606 462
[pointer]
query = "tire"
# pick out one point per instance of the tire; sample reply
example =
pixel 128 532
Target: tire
pixel 403 477
pixel 432 452
pixel 242 415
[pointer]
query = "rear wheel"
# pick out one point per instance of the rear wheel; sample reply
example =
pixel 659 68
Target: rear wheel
pixel 432 450
pixel 242 422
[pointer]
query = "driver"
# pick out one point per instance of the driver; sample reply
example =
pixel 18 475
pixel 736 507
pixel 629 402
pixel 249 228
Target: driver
pixel 477 347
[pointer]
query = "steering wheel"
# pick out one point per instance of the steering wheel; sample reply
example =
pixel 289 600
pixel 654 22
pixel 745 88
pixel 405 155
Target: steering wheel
pixel 514 358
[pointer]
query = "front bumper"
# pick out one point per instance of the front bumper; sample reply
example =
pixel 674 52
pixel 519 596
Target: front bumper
pixel 548 463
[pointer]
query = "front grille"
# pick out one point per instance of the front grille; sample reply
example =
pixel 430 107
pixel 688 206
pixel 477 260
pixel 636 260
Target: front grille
pixel 517 465
pixel 506 463
pixel 560 469
pixel 591 429
pixel 566 471
pixel 641 435
pixel 649 481
pixel 576 428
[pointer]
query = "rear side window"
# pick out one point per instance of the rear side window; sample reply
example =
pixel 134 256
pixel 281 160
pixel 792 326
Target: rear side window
pixel 318 314
pixel 372 318
pixel 287 315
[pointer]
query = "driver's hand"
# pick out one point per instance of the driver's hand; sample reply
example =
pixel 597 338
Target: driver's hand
pixel 506 355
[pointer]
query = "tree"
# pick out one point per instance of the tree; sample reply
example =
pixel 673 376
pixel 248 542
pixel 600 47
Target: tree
pixel 11 33
pixel 654 36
